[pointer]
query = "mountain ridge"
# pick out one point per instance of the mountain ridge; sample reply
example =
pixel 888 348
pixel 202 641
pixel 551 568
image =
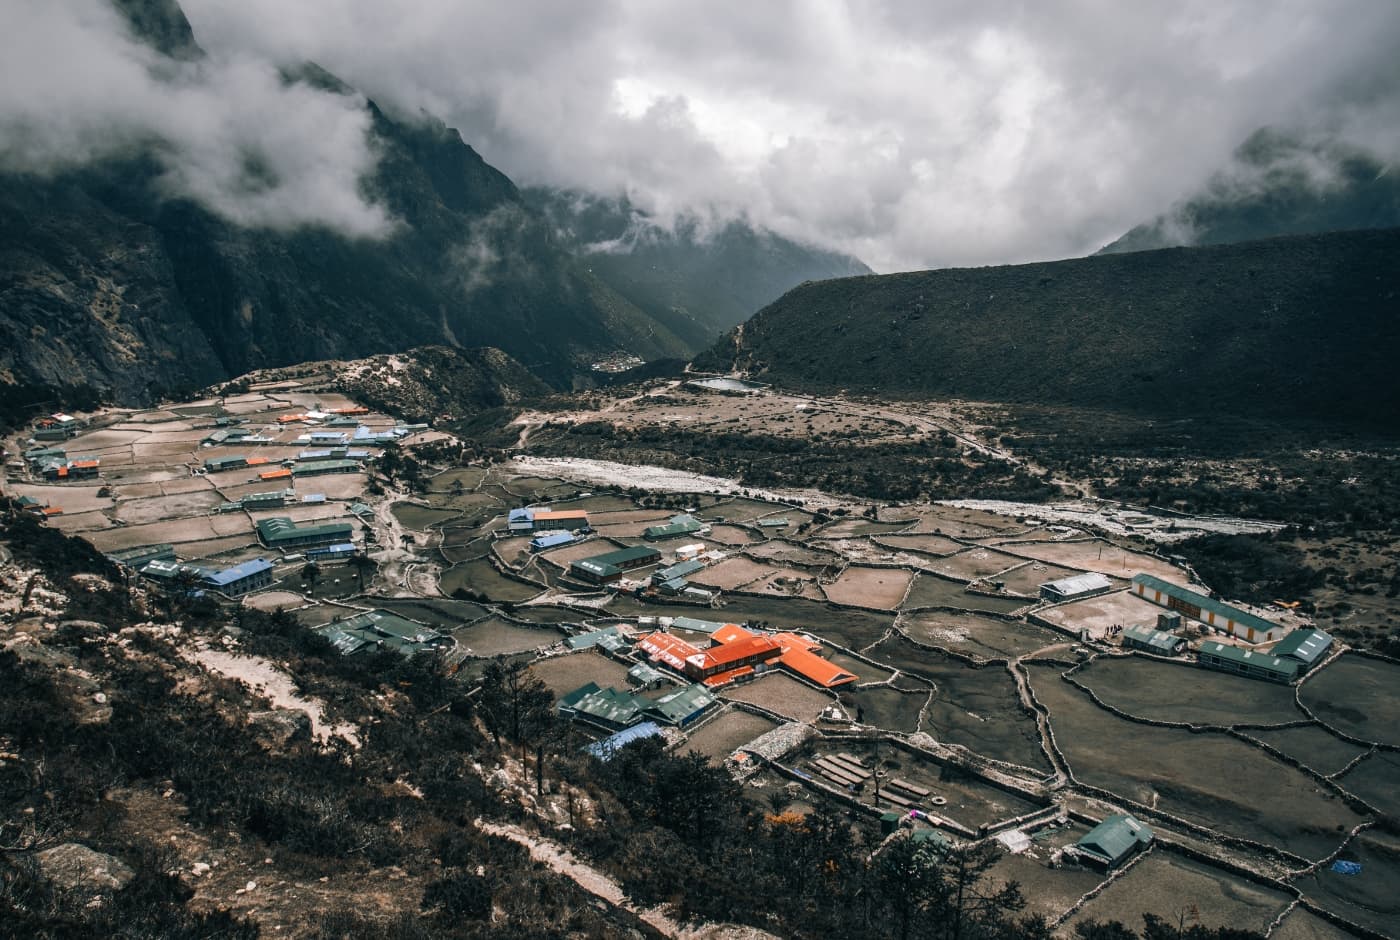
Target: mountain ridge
pixel 698 278
pixel 1294 327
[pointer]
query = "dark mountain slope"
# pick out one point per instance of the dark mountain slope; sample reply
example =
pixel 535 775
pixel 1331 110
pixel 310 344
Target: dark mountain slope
pixel 1305 327
pixel 1279 184
pixel 698 283
pixel 107 282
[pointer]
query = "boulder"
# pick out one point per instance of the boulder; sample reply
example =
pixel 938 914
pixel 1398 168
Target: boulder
pixel 73 866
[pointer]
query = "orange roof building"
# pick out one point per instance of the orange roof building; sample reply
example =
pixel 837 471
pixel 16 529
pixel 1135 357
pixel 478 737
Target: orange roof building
pixel 800 655
pixel 545 519
pixel 281 473
pixel 258 461
pixel 729 633
pixel 737 652
pixel 290 419
pixel 666 649
pixel 728 657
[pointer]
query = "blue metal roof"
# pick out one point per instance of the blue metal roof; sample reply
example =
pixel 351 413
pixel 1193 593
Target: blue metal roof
pixel 606 748
pixel 521 515
pixel 551 539
pixel 238 572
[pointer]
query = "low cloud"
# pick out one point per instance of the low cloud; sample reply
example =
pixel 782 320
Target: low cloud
pixel 228 131
pixel 909 133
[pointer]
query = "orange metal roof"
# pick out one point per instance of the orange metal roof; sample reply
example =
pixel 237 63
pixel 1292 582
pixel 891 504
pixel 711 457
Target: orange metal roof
pixel 258 461
pixel 729 633
pixel 352 410
pixel 53 510
pixel 85 464
pixel 288 419
pixel 561 514
pixel 274 474
pixel 798 656
pixel 746 648
pixel 63 471
pixel 724 678
pixel 664 648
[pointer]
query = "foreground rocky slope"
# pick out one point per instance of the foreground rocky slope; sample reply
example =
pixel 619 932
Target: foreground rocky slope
pixel 1291 328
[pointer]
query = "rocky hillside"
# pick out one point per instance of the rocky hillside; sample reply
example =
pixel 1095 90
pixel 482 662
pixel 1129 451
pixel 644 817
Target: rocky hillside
pixel 429 383
pixel 109 283
pixel 1278 184
pixel 695 279
pixel 1299 327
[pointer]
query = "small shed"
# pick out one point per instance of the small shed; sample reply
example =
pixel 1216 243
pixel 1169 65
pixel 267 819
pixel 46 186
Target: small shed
pixel 1145 638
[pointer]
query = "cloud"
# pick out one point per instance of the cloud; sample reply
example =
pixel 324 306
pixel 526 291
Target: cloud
pixel 228 130
pixel 910 133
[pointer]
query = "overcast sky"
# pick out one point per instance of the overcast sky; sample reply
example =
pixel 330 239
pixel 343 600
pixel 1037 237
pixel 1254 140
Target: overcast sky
pixel 911 134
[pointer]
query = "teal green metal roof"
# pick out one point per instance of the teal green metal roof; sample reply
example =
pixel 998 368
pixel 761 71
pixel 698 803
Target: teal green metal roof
pixel 610 563
pixel 678 526
pixel 281 529
pixel 695 626
pixel 1265 662
pixel 679 706
pixel 592 638
pixel 375 628
pixel 606 705
pixel 1242 617
pixel 1115 837
pixel 1157 640
pixel 1306 646
pixel 326 466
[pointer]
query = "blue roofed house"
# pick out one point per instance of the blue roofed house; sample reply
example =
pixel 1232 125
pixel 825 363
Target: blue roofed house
pixel 551 540
pixel 609 746
pixel 241 578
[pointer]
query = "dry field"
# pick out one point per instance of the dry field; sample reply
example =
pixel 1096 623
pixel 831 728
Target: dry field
pixel 1098 614
pixel 881 588
pixel 782 694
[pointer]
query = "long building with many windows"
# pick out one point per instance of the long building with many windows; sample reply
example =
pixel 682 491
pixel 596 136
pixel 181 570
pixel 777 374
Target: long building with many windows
pixel 282 533
pixel 1207 610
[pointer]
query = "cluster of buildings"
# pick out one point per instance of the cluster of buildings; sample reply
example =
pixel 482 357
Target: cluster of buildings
pixel 735 653
pixel 57 427
pixel 53 463
pixel 379 629
pixel 1292 654
pixel 158 563
pixel 613 709
pixel 530 519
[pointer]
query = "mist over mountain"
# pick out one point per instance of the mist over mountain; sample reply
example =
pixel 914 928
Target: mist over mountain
pixel 696 276
pixel 1279 183
pixel 159 265
pixel 1296 327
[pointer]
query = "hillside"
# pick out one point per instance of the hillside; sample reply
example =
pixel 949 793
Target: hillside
pixel 428 383
pixel 1278 184
pixel 696 281
pixel 1300 327
pixel 108 282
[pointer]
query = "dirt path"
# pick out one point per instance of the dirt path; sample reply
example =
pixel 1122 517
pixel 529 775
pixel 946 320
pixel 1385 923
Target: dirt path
pixel 590 879
pixel 265 679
